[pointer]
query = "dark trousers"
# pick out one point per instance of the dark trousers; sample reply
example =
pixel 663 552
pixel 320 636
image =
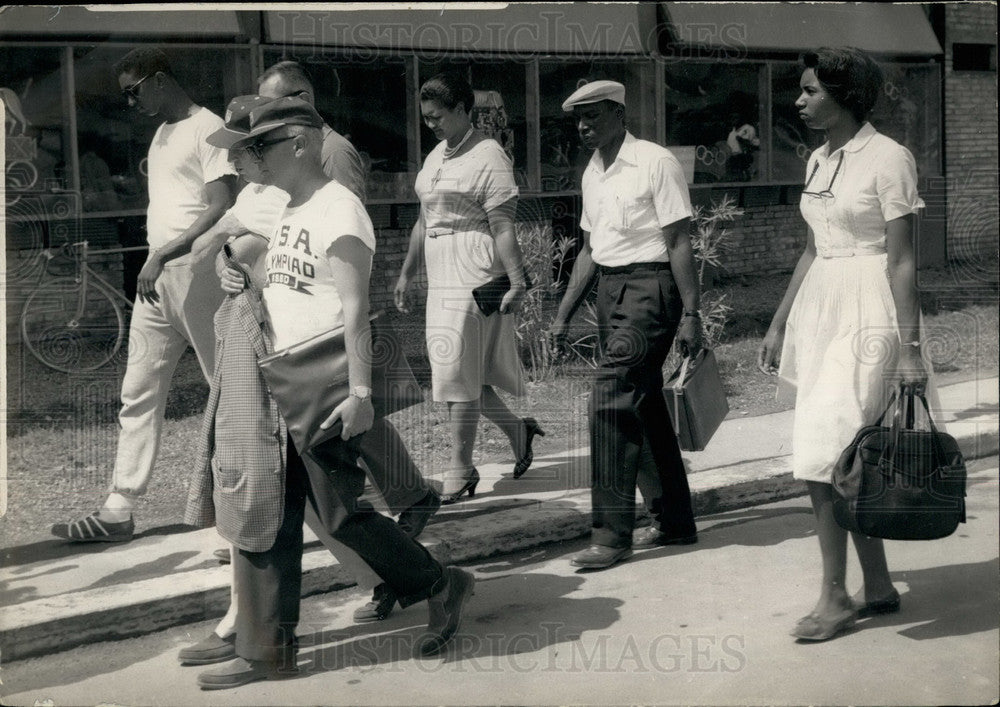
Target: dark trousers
pixel 391 468
pixel 270 582
pixel 631 439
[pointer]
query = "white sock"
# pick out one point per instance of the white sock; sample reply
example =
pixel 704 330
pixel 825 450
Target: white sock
pixel 117 508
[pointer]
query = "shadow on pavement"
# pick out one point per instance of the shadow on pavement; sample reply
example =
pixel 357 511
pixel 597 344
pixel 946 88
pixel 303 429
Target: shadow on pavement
pixel 57 548
pixel 534 612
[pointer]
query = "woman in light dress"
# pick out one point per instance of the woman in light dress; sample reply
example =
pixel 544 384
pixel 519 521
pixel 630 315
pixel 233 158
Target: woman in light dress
pixel 848 327
pixel 465 234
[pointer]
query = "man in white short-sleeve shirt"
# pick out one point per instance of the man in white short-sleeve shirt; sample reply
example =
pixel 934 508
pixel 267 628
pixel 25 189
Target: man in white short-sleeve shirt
pixel 190 186
pixel 636 213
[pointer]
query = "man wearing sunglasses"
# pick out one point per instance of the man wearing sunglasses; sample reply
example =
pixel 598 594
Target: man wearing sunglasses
pixel 190 187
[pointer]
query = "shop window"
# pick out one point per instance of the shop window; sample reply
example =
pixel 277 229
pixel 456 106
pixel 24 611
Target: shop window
pixel 563 157
pixel 713 120
pixel 791 141
pixel 114 139
pixel 500 105
pixel 909 111
pixel 31 86
pixel 365 101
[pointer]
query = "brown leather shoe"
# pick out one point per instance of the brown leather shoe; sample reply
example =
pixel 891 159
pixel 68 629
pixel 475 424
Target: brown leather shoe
pixel 209 650
pixel 382 603
pixel 654 537
pixel 241 671
pixel 445 609
pixel 598 557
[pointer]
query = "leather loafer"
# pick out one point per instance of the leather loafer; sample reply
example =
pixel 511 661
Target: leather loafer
pixel 654 537
pixel 413 520
pixel 209 650
pixel 241 671
pixel 445 611
pixel 381 605
pixel 600 556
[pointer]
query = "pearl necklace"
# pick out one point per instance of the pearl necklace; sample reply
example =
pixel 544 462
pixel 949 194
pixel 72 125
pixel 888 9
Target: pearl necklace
pixel 450 151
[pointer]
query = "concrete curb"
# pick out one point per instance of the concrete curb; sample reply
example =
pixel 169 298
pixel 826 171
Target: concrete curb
pixel 65 621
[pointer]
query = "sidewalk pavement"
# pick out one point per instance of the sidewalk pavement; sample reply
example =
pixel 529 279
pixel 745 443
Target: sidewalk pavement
pixel 58 596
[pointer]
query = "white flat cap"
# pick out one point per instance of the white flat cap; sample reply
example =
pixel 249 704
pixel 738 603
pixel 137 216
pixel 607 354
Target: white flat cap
pixel 594 92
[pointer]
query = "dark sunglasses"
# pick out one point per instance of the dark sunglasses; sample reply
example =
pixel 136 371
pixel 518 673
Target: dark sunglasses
pixel 826 193
pixel 256 149
pixel 133 90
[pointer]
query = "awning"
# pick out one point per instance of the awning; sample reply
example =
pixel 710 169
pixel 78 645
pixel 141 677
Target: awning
pixel 881 28
pixel 39 21
pixel 577 28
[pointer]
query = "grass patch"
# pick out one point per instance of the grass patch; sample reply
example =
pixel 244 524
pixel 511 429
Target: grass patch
pixel 62 429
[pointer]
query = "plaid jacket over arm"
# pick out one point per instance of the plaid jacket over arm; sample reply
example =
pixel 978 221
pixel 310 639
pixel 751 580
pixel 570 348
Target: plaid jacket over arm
pixel 239 480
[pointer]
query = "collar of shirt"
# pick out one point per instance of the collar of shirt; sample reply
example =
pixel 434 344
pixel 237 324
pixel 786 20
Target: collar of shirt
pixel 857 142
pixel 626 153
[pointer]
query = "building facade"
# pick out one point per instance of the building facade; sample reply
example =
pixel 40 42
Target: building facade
pixel 714 82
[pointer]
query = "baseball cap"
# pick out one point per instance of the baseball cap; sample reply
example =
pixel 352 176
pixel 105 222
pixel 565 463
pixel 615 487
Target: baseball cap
pixel 237 124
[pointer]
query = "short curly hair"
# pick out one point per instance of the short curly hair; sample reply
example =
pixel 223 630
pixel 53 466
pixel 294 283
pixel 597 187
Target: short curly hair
pixel 849 75
pixel 144 61
pixel 449 89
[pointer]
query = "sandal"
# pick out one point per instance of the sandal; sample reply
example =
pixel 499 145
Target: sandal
pixel 888 605
pixel 818 628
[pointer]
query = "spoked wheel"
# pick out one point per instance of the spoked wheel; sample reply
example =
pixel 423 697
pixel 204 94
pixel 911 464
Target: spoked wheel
pixel 56 336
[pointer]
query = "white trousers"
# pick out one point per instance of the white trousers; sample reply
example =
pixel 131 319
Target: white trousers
pixel 158 335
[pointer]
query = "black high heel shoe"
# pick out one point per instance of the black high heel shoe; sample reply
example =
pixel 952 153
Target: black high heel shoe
pixel 470 485
pixel 531 429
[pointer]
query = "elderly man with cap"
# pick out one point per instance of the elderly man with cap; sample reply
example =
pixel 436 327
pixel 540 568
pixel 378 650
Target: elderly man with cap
pixel 317 264
pixel 237 442
pixel 636 214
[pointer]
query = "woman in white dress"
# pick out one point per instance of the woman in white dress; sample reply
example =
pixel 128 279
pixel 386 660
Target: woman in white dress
pixel 465 234
pixel 848 327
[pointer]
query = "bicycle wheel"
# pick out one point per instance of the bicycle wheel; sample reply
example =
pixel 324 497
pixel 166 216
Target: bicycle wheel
pixel 54 335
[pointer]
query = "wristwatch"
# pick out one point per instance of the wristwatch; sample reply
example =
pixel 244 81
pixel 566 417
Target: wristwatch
pixel 361 392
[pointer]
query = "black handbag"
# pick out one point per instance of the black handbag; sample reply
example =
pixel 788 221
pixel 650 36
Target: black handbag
pixel 489 296
pixel 898 482
pixel 309 379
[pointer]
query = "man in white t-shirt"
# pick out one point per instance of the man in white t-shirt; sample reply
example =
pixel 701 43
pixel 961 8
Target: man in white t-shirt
pixel 190 187
pixel 636 213
pixel 318 266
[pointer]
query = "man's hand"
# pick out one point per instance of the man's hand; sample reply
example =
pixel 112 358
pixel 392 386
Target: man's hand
pixel 232 280
pixel 356 415
pixel 557 336
pixel 689 339
pixel 145 286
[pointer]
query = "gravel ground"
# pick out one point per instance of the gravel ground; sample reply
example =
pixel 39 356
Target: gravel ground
pixel 62 429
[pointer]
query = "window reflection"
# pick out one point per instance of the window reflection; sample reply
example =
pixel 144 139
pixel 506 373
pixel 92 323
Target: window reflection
pixel 31 87
pixel 364 101
pixel 500 105
pixel 563 157
pixel 713 117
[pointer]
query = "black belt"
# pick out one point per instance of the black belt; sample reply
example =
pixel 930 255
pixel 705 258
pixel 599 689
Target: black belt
pixel 632 267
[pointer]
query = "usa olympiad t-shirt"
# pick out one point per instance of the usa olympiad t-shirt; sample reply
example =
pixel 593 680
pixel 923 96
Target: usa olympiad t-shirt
pixel 301 297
